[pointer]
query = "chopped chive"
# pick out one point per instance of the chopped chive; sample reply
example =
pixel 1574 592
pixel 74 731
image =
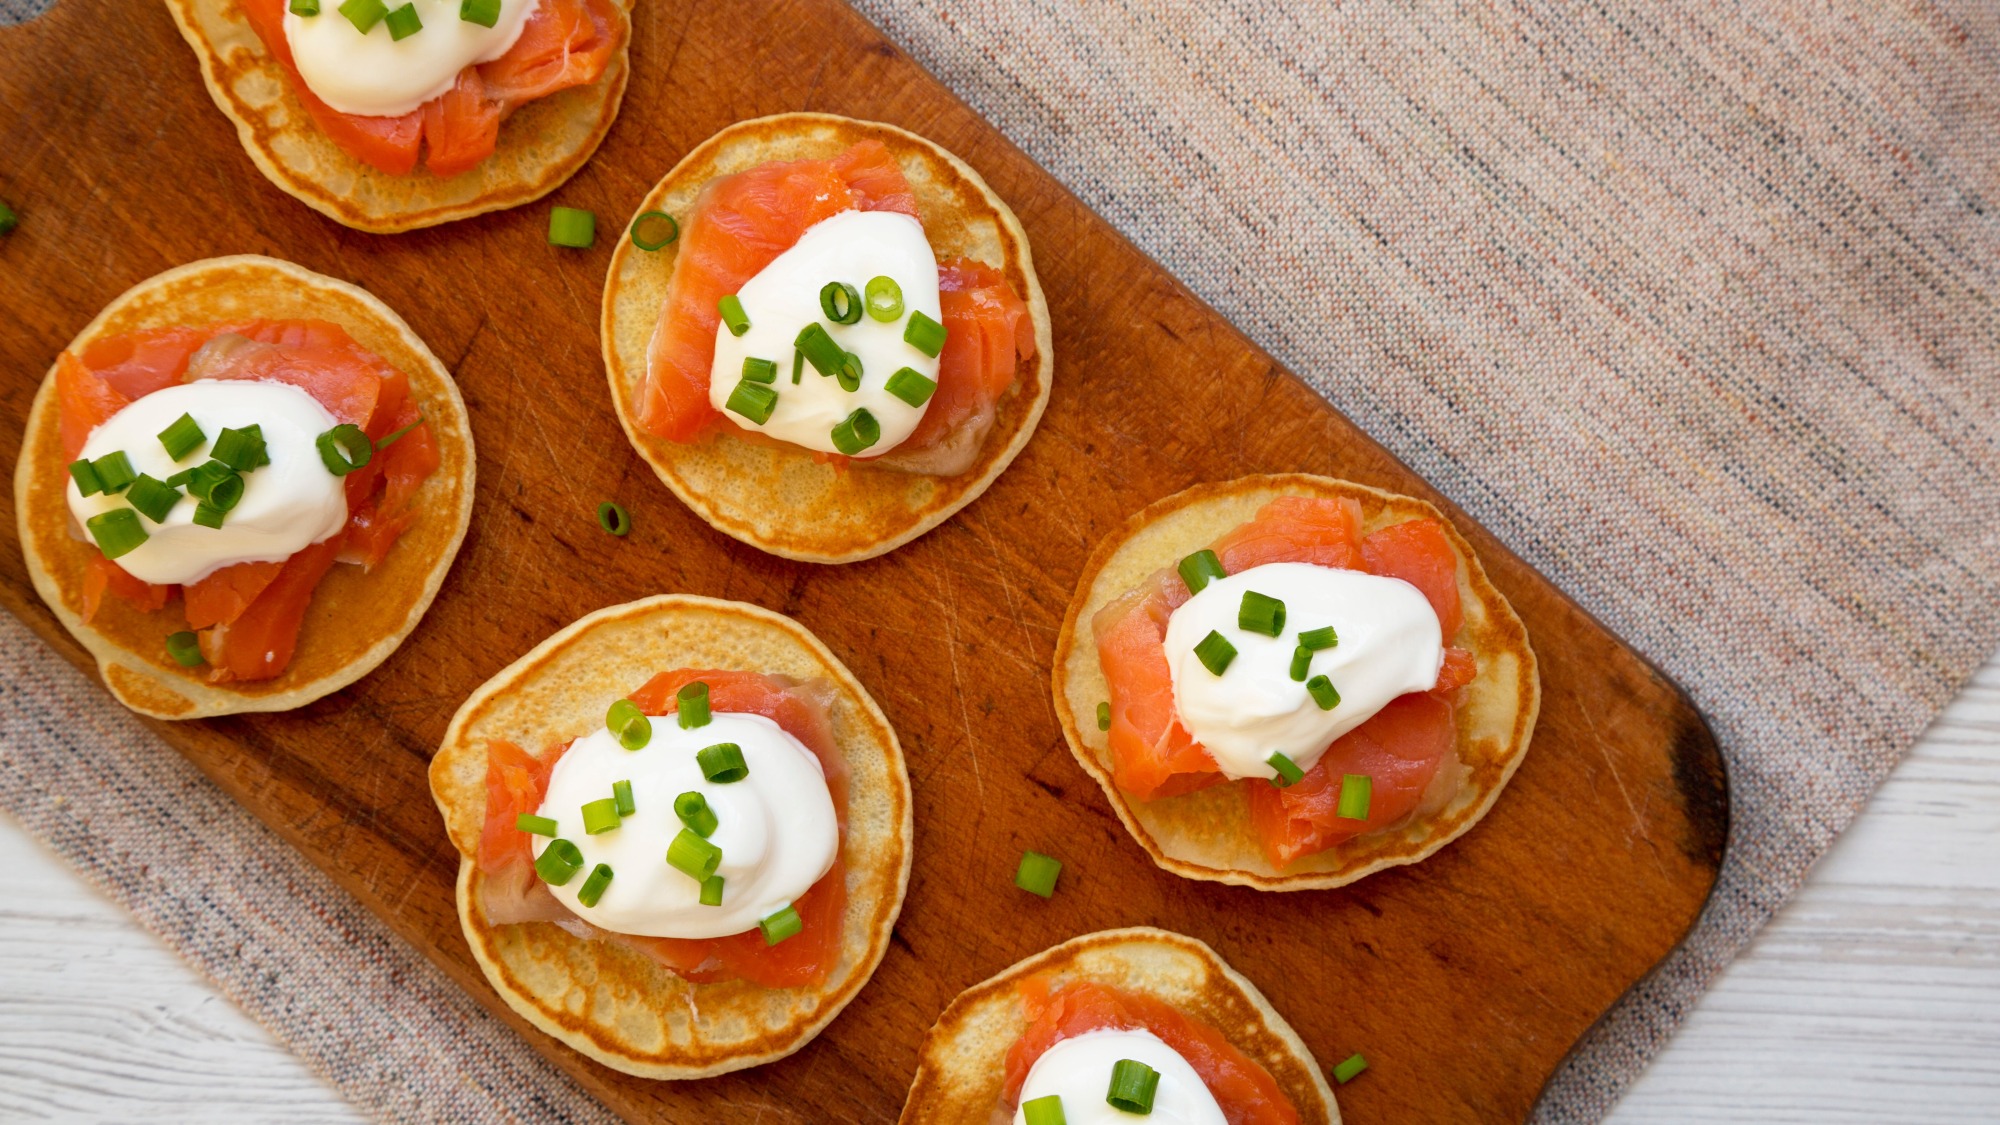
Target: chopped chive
pixel 816 344
pixel 798 365
pixel 364 14
pixel 1323 693
pixel 1316 639
pixel 613 517
pixel 185 648
pixel 208 515
pixel 621 795
pixel 1355 791
pixel 242 450
pixel 600 816
pixel 183 437
pixel 631 726
pixel 1045 1110
pixel 1260 614
pixel 485 13
pixel 153 499
pixel 924 334
pixel 180 479
pixel 857 432
pixel 114 471
pixel 1302 662
pixel 911 385
pixel 849 375
pixel 885 299
pixel 652 230
pixel 1199 569
pixel 385 442
pixel 760 370
pixel 781 925
pixel 85 476
pixel 224 493
pixel 535 825
pixel 1289 773
pixel 693 856
pixel 840 302
pixel 1104 716
pixel 559 862
pixel 693 699
pixel 305 7
pixel 1037 873
pixel 593 887
pixel 1349 1067
pixel 752 401
pixel 711 891
pixel 344 449
pixel 693 811
pixel 1133 1084
pixel 722 763
pixel 117 531
pixel 1215 652
pixel 216 484
pixel 8 219
pixel 733 315
pixel 403 22
pixel 572 227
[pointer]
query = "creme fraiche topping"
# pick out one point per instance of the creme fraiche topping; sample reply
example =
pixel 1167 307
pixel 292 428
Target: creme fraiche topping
pixel 1115 1077
pixel 202 475
pixel 834 345
pixel 384 58
pixel 1284 658
pixel 694 825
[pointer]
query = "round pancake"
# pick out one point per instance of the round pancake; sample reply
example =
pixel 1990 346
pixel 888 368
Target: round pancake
pixel 961 1066
pixel 781 498
pixel 356 618
pixel 612 1002
pixel 541 144
pixel 1208 834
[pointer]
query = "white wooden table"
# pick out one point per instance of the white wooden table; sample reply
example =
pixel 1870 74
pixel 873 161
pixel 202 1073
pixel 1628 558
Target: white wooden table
pixel 1874 997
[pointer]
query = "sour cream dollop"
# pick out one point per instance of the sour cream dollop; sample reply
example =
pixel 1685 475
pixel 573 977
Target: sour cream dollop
pixel 1390 645
pixel 776 827
pixel 287 505
pixel 852 247
pixel 1079 1071
pixel 374 75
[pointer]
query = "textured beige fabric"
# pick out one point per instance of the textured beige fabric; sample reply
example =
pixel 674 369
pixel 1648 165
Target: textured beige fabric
pixel 1692 302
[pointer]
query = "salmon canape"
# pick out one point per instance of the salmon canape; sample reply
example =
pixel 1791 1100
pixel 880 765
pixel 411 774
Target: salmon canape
pixel 1117 1026
pixel 387 115
pixel 825 335
pixel 684 833
pixel 240 487
pixel 1289 682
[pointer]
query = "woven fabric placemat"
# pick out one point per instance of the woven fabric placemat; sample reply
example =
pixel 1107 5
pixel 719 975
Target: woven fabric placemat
pixel 1693 303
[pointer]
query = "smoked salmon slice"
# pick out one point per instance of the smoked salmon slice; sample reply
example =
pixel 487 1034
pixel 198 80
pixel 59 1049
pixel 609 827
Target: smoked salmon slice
pixel 1246 1091
pixel 564 43
pixel 249 614
pixel 742 222
pixel 1401 748
pixel 516 781
pixel 987 332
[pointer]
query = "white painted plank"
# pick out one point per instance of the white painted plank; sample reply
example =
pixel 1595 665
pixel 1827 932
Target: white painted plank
pixel 1874 997
pixel 99 1022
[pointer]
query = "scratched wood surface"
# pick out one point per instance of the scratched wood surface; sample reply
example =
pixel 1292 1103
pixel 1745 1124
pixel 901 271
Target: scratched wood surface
pixel 1465 979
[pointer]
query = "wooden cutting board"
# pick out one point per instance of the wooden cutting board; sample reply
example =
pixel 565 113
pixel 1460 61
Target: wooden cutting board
pixel 1465 980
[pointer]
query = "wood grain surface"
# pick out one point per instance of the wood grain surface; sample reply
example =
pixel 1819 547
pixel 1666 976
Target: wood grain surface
pixel 1466 979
